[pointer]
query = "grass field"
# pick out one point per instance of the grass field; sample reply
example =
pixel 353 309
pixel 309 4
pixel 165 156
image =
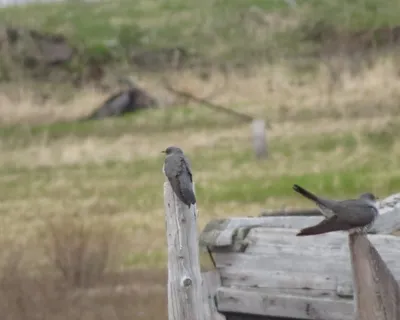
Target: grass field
pixel 332 129
pixel 213 29
pixel 338 144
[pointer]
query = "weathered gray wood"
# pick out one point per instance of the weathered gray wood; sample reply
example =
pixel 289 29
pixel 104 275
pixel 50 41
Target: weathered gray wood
pixel 377 291
pixel 284 262
pixel 256 301
pixel 225 232
pixel 246 316
pixel 232 232
pixel 296 283
pixel 221 232
pixel 296 263
pixel 290 213
pixel 184 278
pixel 389 215
pixel 281 282
pixel 277 241
pixel 211 282
pixel 266 270
pixel 389 203
pixel 259 138
pixel 325 254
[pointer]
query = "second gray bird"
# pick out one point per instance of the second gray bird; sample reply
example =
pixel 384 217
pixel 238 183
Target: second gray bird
pixel 177 170
pixel 353 215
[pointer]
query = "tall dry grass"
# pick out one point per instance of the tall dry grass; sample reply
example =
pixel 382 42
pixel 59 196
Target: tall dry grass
pixel 338 86
pixel 75 283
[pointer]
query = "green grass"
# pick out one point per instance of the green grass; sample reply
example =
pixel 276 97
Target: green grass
pixel 127 191
pixel 126 25
pixel 337 143
pixel 211 28
pixel 355 15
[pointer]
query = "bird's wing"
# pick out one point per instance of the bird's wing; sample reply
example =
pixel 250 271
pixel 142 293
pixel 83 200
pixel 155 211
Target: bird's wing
pixel 355 212
pixel 327 225
pixel 187 166
pixel 179 175
pixel 326 206
pixel 173 171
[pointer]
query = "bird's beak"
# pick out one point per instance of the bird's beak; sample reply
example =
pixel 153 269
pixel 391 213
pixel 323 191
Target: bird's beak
pixel 163 151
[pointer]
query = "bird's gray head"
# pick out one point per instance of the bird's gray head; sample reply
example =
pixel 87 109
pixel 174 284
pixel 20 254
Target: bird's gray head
pixel 368 196
pixel 172 149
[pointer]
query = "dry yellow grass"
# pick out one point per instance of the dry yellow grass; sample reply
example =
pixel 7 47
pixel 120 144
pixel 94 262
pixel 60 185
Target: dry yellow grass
pixel 329 135
pixel 272 91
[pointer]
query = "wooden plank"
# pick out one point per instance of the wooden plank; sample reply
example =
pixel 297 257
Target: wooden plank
pixel 291 212
pixel 389 204
pixel 284 262
pixel 298 283
pixel 222 232
pixel 377 291
pixel 211 282
pixel 281 282
pixel 184 277
pixel 246 316
pixel 261 303
pixel 298 262
pixel 277 241
pixel 388 220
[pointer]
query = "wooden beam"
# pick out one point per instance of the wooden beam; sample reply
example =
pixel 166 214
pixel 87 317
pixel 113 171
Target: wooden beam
pixel 377 291
pixel 211 282
pixel 184 279
pixel 279 241
pixel 259 302
pixel 281 282
pixel 290 212
pixel 280 250
pixel 226 233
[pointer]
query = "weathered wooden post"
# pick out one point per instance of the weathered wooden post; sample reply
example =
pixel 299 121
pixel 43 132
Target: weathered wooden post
pixel 259 138
pixel 376 291
pixel 185 300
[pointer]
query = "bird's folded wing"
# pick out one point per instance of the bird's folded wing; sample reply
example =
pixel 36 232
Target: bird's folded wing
pixel 326 225
pixel 354 212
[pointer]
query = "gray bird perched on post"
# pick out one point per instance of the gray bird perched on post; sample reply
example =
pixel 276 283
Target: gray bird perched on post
pixel 177 170
pixel 353 215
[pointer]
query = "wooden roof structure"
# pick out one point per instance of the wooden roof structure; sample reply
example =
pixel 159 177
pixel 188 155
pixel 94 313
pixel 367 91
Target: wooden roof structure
pixel 263 271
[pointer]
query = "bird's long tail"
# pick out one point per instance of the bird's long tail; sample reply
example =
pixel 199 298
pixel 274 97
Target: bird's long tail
pixel 305 193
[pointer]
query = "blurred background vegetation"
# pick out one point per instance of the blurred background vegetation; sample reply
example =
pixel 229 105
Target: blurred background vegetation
pixel 81 201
